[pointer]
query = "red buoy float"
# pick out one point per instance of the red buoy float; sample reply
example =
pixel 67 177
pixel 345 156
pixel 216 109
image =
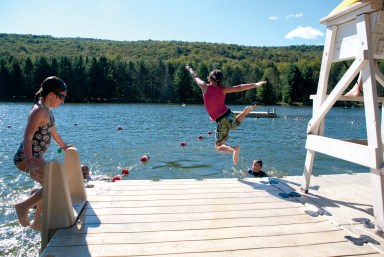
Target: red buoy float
pixel 183 144
pixel 209 132
pixel 115 178
pixel 144 158
pixel 200 137
pixel 125 172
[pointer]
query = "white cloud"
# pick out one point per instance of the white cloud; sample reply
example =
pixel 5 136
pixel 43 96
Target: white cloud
pixel 305 33
pixel 297 15
pixel 273 18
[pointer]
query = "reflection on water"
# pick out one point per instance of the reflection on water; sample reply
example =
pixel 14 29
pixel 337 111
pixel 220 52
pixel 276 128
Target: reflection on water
pixel 157 131
pixel 179 165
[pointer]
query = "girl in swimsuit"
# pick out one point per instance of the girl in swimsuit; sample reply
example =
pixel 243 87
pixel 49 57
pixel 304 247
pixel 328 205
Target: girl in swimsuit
pixel 37 137
pixel 214 101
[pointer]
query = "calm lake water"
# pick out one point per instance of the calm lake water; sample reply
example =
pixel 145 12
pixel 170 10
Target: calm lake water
pixel 157 131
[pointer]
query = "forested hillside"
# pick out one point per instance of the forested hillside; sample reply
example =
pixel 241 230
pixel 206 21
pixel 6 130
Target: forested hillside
pixel 153 71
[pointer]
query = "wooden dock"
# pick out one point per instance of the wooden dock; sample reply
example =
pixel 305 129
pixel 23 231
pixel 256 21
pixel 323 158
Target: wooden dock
pixel 260 114
pixel 224 217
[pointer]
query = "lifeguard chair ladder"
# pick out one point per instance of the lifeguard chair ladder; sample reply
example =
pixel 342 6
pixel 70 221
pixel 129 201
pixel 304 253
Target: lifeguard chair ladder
pixel 356 32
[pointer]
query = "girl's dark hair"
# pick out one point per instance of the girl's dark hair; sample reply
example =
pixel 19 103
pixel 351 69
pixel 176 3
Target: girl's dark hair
pixel 50 84
pixel 216 75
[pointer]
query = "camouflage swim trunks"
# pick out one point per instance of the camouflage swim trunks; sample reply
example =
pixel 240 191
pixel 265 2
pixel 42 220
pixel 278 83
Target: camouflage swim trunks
pixel 224 124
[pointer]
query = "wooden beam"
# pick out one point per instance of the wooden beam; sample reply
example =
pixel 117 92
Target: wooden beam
pixel 378 200
pixel 351 12
pixel 356 153
pixel 369 85
pixel 350 98
pixel 357 141
pixel 380 78
pixel 326 63
pixel 309 158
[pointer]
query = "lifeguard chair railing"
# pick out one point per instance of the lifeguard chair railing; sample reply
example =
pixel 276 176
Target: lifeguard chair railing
pixel 353 33
pixel 64 195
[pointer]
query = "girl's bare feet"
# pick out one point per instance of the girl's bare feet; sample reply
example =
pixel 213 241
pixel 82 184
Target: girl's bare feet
pixel 355 91
pixel 247 109
pixel 36 225
pixel 236 154
pixel 22 214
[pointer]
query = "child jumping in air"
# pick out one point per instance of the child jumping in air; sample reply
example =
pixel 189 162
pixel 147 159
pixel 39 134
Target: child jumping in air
pixel 214 101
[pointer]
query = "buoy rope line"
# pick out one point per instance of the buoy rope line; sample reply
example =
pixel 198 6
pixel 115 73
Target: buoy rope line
pixel 145 158
pixel 181 145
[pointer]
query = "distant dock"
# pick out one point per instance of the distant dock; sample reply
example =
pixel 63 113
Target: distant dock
pixel 267 114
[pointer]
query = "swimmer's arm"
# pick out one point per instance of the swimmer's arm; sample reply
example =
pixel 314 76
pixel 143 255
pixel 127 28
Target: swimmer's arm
pixel 243 87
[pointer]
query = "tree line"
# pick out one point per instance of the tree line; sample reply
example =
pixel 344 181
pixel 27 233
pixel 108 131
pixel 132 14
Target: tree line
pixel 153 71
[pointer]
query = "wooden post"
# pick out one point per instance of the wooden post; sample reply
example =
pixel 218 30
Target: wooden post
pixel 374 135
pixel 377 178
pixel 321 93
pixel 378 199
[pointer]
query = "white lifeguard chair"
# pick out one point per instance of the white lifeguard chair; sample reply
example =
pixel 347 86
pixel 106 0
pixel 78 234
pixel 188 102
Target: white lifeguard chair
pixel 353 33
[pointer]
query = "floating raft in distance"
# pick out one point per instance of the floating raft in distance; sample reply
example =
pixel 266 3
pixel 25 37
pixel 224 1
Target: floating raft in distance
pixel 266 114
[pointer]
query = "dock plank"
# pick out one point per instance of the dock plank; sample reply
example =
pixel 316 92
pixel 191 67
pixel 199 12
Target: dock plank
pixel 94 226
pixel 192 202
pixel 203 194
pixel 218 217
pixel 191 234
pixel 92 209
pixel 346 196
pixel 276 246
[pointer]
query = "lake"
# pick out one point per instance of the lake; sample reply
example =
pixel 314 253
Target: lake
pixel 157 130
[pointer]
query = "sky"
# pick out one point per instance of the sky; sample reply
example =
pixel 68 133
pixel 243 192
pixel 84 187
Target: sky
pixel 241 22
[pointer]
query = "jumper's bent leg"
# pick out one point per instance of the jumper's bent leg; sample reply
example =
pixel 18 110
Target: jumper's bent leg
pixel 229 149
pixel 244 113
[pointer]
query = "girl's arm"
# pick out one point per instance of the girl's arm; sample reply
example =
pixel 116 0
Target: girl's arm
pixel 243 87
pixel 58 139
pixel 201 83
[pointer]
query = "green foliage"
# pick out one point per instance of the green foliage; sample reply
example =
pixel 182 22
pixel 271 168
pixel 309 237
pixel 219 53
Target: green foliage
pixel 183 84
pixel 153 71
pixel 265 93
pixel 309 84
pixel 293 85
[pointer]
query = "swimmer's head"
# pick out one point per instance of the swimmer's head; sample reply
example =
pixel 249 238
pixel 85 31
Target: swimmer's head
pixel 85 171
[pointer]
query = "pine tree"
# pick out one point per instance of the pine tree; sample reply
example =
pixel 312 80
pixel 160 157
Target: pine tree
pixel 265 93
pixel 183 84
